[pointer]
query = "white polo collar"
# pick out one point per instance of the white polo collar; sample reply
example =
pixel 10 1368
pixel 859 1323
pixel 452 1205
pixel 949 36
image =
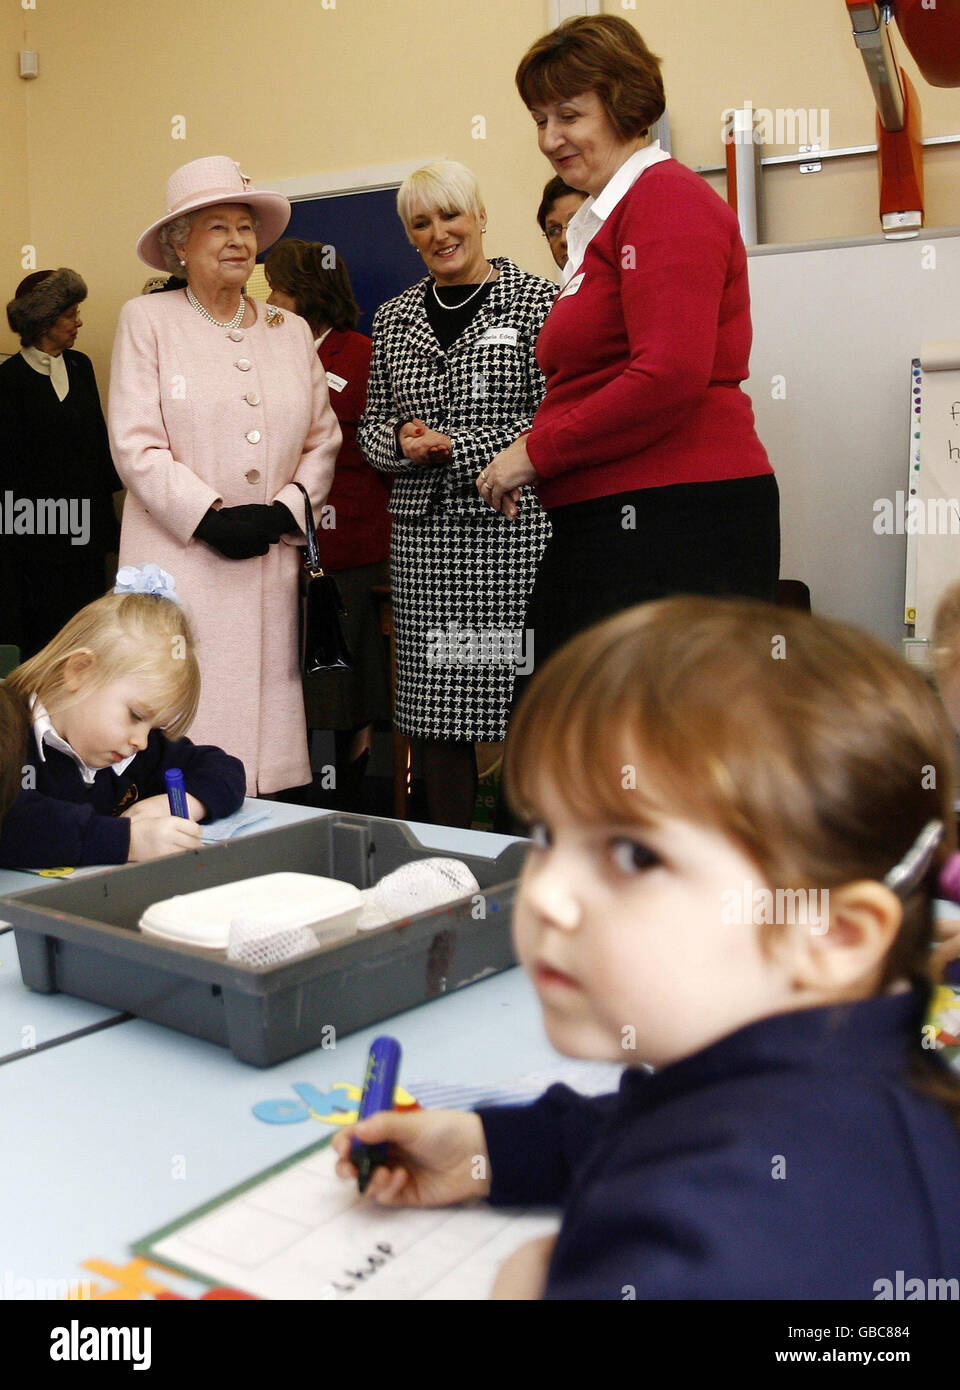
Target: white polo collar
pixel 44 732
pixel 591 214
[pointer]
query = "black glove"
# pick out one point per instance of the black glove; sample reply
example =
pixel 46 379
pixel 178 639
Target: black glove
pixel 272 521
pixel 236 537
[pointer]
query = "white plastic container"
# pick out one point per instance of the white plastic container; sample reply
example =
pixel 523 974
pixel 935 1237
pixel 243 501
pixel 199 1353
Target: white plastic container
pixel 327 906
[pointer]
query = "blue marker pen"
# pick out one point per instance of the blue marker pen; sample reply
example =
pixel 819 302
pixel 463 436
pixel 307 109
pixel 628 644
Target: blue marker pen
pixel 379 1083
pixel 176 792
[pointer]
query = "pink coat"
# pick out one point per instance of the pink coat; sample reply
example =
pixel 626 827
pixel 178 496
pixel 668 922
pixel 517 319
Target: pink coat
pixel 200 419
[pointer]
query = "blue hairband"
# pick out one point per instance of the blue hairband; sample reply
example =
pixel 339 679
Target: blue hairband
pixel 146 579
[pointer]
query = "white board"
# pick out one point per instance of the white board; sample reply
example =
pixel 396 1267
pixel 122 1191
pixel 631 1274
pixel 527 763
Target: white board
pixel 933 530
pixel 841 324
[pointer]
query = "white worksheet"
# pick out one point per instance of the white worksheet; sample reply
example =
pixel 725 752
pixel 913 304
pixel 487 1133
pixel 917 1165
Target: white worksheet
pixel 304 1233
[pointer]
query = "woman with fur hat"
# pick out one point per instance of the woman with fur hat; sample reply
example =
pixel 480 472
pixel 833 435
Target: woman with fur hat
pixel 218 407
pixel 57 523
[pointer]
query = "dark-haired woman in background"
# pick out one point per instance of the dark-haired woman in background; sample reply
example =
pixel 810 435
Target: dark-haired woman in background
pixel 310 279
pixel 557 207
pixel 55 461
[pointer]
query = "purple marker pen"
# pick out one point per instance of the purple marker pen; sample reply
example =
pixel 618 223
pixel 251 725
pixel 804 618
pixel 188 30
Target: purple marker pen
pixel 379 1084
pixel 176 792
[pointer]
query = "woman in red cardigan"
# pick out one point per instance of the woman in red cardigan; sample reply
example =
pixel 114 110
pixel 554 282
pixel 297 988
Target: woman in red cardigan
pixel 644 450
pixel 310 278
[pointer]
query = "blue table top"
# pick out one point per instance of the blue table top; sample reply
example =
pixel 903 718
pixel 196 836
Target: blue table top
pixel 113 1135
pixel 116 1132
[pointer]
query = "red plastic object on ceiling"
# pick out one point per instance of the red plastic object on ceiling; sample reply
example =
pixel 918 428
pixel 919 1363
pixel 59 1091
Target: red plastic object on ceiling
pixel 900 158
pixel 931 31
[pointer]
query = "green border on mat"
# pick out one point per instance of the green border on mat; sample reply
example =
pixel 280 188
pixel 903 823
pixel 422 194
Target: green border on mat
pixel 144 1245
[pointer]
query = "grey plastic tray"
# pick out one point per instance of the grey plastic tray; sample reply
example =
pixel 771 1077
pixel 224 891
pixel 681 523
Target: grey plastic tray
pixel 82 938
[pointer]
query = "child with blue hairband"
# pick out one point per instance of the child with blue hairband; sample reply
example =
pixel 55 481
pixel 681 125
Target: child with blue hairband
pixel 106 704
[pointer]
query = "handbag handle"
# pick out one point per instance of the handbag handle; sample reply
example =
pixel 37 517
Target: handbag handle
pixel 310 531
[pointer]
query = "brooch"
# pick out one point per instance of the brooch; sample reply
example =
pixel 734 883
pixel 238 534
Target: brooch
pixel 274 316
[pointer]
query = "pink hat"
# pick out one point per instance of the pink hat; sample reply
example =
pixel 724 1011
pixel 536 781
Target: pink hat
pixel 204 183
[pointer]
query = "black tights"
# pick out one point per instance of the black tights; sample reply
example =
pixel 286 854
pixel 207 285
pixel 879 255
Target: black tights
pixel 450 777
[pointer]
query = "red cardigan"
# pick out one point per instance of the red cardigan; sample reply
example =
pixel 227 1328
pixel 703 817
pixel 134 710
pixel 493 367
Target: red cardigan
pixel 645 349
pixel 359 494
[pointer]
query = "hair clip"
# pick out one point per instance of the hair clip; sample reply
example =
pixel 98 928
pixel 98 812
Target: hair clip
pixel 146 579
pixel 904 877
pixel 949 881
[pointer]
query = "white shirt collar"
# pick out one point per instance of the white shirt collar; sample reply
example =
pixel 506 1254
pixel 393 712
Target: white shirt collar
pixel 44 732
pixel 591 214
pixel 318 341
pixel 53 367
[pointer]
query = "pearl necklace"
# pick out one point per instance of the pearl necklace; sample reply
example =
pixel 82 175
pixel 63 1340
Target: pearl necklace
pixel 234 322
pixel 453 307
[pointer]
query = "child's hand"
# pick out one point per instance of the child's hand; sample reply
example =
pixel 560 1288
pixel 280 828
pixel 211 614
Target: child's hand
pixel 150 806
pixel 524 1274
pixel 437 1157
pixel 152 837
pixel 159 806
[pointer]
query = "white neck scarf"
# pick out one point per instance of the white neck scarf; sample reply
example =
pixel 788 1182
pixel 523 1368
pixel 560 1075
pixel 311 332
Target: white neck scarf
pixel 47 365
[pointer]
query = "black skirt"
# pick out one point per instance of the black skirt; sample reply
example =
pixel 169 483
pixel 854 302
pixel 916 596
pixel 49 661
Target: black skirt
pixel 610 553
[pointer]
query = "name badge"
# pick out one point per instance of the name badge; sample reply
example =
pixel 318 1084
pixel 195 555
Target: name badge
pixel 336 383
pixel 506 337
pixel 572 287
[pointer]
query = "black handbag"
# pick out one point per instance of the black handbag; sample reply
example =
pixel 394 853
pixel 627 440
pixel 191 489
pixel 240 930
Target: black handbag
pixel 323 646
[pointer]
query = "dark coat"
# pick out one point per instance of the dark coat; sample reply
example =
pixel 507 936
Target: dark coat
pixel 58 450
pixel 793 1159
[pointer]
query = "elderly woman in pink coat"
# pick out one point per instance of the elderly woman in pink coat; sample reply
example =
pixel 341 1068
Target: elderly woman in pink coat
pixel 218 405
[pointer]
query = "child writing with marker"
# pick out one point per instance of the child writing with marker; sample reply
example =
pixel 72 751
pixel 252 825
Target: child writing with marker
pixel 106 703
pixel 739 817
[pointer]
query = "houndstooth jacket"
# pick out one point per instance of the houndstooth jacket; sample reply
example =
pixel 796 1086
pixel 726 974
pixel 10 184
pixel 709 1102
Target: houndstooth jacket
pixel 482 392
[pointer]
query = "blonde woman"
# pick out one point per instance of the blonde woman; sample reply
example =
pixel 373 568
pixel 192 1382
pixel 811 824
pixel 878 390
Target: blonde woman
pixel 106 704
pixel 453 381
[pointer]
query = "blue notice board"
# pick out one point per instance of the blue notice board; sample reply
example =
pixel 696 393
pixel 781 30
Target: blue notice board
pixel 368 234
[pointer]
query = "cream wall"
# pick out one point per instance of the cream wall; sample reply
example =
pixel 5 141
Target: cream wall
pixel 14 192
pixel 305 88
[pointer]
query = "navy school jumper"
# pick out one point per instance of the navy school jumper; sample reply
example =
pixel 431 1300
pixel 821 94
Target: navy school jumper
pixel 793 1159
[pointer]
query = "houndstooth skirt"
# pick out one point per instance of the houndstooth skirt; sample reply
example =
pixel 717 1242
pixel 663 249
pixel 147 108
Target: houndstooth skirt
pixel 460 587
